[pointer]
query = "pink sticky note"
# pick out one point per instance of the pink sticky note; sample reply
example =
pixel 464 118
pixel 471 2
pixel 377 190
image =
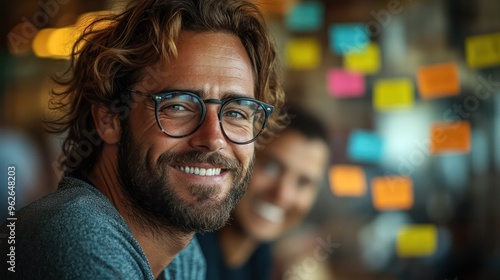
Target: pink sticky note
pixel 344 84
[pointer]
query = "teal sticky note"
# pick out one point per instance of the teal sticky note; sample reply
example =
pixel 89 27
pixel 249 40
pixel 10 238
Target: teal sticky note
pixel 365 146
pixel 306 16
pixel 345 38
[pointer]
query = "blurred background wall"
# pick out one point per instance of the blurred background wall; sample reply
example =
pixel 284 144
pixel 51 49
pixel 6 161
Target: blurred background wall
pixel 409 90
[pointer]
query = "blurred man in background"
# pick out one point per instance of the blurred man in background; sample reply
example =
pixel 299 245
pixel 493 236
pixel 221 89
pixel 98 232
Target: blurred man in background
pixel 287 175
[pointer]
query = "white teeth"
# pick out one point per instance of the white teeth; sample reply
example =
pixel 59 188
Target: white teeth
pixel 269 211
pixel 200 171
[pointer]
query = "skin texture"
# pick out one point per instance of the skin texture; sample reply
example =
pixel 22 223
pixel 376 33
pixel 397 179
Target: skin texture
pixel 287 174
pixel 216 66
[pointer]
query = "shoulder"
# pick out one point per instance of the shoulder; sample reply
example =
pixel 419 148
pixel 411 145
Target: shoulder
pixel 76 233
pixel 76 210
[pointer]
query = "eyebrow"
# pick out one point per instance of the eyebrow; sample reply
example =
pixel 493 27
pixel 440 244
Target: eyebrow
pixel 283 167
pixel 271 158
pixel 202 94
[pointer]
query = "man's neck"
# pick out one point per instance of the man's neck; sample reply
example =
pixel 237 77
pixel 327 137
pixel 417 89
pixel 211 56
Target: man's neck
pixel 236 245
pixel 160 248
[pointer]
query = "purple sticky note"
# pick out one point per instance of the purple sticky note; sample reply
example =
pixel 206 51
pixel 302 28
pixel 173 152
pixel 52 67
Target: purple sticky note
pixel 344 84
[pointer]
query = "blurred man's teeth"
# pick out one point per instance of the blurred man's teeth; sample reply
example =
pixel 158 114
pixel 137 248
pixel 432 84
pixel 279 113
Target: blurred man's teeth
pixel 269 211
pixel 200 171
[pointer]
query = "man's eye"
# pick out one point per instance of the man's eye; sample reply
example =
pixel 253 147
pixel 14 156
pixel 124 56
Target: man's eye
pixel 235 115
pixel 304 183
pixel 176 107
pixel 271 168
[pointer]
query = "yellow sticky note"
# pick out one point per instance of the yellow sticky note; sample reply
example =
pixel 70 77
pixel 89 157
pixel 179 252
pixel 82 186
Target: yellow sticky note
pixel 366 61
pixel 303 53
pixel 393 94
pixel 416 241
pixel 392 193
pixel 483 50
pixel 347 180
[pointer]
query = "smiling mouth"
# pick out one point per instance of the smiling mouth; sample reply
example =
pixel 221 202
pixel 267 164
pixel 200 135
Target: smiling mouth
pixel 200 171
pixel 270 212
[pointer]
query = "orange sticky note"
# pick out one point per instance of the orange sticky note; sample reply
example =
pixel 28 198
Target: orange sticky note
pixel 450 137
pixel 438 80
pixel 417 241
pixel 483 50
pixel 392 193
pixel 303 53
pixel 347 180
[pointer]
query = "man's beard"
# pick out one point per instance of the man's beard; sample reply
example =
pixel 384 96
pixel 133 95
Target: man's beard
pixel 154 203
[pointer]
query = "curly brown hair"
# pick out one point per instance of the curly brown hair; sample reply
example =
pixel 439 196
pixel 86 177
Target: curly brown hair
pixel 114 52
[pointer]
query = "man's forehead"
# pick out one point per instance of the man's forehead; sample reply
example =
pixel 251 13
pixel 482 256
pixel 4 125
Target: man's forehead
pixel 293 150
pixel 204 62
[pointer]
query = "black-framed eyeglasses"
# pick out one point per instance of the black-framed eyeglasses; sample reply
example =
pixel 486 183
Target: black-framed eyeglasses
pixel 181 113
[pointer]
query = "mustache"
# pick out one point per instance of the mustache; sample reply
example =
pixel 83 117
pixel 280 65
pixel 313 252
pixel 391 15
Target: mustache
pixel 193 157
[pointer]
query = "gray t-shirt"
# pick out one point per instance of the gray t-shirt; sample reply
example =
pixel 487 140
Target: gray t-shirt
pixel 76 233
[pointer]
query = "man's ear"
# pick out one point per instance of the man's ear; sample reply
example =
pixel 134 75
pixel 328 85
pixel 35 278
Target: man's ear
pixel 106 123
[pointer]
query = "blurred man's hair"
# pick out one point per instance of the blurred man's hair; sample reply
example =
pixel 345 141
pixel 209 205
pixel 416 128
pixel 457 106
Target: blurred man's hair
pixel 307 124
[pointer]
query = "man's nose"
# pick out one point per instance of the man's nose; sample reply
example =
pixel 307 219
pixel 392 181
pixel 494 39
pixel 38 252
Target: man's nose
pixel 209 137
pixel 283 192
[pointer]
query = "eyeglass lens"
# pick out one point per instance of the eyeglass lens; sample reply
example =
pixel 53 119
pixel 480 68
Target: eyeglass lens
pixel 180 114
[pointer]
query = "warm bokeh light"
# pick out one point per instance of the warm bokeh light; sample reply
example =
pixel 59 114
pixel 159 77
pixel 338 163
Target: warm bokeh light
pixel 40 43
pixel 61 41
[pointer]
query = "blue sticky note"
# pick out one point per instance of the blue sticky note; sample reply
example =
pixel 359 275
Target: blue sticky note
pixel 345 38
pixel 307 16
pixel 365 146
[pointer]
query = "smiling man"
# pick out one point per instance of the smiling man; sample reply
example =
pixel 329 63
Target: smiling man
pixel 162 108
pixel 288 173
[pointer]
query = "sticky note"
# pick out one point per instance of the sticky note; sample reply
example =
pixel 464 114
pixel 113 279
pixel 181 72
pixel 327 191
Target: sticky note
pixel 392 193
pixel 303 53
pixel 343 83
pixel 305 16
pixel 347 180
pixel 364 146
pixel 483 50
pixel 438 80
pixel 393 94
pixel 348 38
pixel 367 61
pixel 417 240
pixel 450 137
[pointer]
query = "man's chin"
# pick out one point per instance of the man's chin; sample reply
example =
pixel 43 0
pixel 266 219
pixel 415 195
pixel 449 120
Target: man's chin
pixel 207 195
